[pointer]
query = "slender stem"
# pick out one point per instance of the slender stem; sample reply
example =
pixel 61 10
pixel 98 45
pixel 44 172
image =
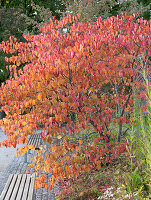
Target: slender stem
pixel 119 114
pixel 127 100
pixel 119 106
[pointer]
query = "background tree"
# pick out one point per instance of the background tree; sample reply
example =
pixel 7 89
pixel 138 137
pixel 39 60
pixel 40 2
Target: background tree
pixel 18 17
pixel 147 13
pixel 55 6
pixel 90 10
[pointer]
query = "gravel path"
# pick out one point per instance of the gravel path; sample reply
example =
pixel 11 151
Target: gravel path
pixel 6 154
pixel 10 164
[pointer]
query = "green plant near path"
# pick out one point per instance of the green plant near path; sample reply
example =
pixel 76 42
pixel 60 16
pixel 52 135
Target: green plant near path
pixel 138 179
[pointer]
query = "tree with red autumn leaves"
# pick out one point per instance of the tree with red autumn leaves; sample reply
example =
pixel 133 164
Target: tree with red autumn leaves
pixel 71 81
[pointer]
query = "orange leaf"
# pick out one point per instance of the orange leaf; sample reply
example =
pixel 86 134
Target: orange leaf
pixel 39 97
pixel 80 142
pixel 50 187
pixel 46 186
pixel 53 179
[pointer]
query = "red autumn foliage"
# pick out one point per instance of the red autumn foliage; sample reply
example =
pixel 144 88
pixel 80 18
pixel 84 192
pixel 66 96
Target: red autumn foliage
pixel 71 81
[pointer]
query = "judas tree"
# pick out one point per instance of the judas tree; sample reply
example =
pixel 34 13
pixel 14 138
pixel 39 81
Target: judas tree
pixel 71 81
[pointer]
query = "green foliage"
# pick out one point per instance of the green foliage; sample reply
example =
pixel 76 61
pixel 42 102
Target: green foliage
pixel 36 18
pixel 90 10
pixel 4 73
pixel 18 17
pixel 22 24
pixel 55 6
pixel 139 178
pixel 9 26
pixel 147 13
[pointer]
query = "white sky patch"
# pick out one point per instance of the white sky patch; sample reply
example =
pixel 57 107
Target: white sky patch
pixel 35 13
pixel 64 30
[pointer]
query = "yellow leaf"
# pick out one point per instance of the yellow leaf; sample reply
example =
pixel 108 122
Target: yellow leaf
pixel 26 104
pixel 124 78
pixel 81 194
pixel 34 102
pixel 31 165
pixel 59 137
pixel 24 123
pixel 30 146
pixel 38 166
pixel 53 179
pixel 92 89
pixel 39 97
pixel 25 149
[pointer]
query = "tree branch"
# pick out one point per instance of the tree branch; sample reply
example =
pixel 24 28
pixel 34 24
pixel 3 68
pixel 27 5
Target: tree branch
pixel 127 100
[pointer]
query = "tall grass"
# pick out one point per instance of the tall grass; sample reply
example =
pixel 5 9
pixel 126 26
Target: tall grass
pixel 138 179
